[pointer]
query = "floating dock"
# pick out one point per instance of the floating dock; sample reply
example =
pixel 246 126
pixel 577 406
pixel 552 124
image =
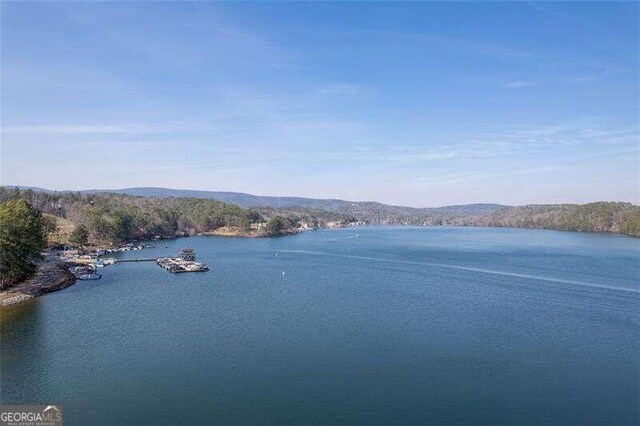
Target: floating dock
pixel 177 265
pixel 185 262
pixel 136 260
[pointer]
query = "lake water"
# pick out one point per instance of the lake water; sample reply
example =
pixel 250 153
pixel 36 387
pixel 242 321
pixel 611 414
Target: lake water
pixel 358 325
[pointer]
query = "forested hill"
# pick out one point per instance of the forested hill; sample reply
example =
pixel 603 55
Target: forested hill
pixel 611 217
pixel 118 218
pixel 115 215
pixel 238 198
pixel 370 211
pixel 331 204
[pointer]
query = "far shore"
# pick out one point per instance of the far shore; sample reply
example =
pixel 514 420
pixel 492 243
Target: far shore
pixel 228 231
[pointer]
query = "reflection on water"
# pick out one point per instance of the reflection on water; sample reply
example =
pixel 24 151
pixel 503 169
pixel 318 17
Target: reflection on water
pixel 24 344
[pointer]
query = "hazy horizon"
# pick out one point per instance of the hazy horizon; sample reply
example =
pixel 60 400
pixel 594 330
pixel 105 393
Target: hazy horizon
pixel 413 104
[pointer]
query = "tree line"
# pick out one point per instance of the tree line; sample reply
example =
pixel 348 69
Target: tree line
pixel 610 217
pixel 117 218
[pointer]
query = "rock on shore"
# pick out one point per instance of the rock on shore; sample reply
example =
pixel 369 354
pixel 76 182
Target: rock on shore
pixel 51 275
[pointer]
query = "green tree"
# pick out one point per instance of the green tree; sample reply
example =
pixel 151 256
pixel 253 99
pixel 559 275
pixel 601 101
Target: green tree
pixel 98 225
pixel 79 235
pixel 276 225
pixel 49 225
pixel 123 226
pixel 22 239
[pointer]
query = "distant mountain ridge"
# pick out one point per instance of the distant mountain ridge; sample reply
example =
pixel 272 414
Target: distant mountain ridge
pixel 333 205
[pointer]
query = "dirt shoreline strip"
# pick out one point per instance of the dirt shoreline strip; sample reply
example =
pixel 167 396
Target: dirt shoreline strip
pixel 52 275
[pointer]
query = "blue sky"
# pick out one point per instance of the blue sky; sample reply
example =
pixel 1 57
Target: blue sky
pixel 420 104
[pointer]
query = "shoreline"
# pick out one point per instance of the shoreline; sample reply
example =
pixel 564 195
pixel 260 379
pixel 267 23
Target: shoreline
pixel 227 231
pixel 51 275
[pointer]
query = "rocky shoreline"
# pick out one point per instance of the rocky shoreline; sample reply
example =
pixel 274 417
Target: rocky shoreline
pixel 52 275
pixel 228 231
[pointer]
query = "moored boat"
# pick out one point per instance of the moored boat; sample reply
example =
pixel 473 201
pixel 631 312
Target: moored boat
pixel 93 276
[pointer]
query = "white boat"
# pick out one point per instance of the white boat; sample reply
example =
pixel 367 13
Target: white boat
pixel 94 276
pixel 85 273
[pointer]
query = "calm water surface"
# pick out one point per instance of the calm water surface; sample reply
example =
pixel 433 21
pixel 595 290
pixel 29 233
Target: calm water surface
pixel 400 325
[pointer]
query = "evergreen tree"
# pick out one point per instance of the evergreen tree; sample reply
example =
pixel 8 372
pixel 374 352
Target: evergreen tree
pixel 79 236
pixel 22 238
pixel 49 225
pixel 276 225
